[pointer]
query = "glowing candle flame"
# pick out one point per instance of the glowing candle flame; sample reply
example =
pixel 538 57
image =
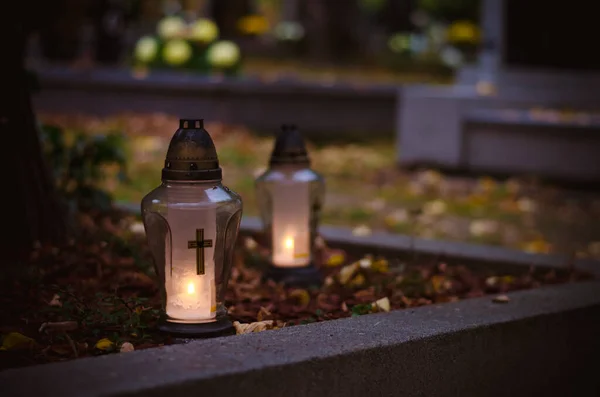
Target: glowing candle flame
pixel 289 243
pixel 190 288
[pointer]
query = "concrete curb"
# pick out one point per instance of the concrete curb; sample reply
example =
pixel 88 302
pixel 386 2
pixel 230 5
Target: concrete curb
pixel 336 110
pixel 543 342
pixel 406 248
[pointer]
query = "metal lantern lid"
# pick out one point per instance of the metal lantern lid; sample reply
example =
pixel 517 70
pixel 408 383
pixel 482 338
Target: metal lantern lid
pixel 192 155
pixel 289 147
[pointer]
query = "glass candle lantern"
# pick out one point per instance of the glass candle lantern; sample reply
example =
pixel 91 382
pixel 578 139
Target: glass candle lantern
pixel 191 223
pixel 290 195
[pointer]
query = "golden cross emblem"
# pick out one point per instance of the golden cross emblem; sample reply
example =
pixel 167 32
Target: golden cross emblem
pixel 199 244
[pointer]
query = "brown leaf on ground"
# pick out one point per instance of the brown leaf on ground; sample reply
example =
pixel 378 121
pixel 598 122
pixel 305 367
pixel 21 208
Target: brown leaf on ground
pixel 300 297
pixel 252 327
pixel 264 314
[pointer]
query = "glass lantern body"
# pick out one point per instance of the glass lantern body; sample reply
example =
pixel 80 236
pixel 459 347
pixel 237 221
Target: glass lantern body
pixel 290 198
pixel 192 229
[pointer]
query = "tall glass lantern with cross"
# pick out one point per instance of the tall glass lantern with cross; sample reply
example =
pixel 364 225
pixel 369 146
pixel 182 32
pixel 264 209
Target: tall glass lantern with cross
pixel 192 221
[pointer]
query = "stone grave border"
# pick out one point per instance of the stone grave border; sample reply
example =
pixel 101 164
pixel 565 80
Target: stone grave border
pixel 542 342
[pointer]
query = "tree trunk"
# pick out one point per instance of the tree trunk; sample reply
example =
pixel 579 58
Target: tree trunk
pixel 28 196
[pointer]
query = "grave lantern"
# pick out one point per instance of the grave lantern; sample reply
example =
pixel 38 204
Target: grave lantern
pixel 191 223
pixel 290 195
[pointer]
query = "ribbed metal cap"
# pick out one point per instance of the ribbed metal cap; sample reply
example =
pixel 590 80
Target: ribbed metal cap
pixel 192 155
pixel 289 147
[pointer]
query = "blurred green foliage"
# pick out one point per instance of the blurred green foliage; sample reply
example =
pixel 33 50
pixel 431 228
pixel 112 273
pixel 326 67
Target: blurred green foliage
pixel 80 164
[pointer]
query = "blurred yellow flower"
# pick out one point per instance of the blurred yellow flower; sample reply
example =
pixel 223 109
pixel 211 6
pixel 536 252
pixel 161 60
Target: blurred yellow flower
pixel 204 31
pixel 223 54
pixel 177 52
pixel 146 49
pixel 171 27
pixel 253 24
pixel 463 32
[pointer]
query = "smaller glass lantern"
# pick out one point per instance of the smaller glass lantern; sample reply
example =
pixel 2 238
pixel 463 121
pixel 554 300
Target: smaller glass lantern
pixel 290 196
pixel 192 222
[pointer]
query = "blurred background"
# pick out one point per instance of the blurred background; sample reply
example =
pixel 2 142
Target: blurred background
pixel 117 75
pixel 375 40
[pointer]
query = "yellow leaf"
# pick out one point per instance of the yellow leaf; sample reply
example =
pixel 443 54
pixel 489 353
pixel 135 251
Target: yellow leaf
pixel 335 260
pixel 104 344
pixel 382 304
pixel 347 272
pixel 380 266
pixel 302 296
pixel 440 283
pixel 17 341
pixel 357 281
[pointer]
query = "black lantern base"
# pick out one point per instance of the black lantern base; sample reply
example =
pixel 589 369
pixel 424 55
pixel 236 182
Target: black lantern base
pixel 221 327
pixel 302 277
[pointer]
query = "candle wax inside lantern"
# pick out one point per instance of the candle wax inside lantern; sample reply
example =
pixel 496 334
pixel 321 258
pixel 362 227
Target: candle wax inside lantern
pixel 291 221
pixel 191 297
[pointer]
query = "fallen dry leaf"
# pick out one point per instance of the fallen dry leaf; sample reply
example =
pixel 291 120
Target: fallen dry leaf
pixel 104 344
pixel 382 304
pixel 301 296
pixel 347 272
pixel 501 299
pixel 55 301
pixel 335 259
pixel 252 327
pixel 264 314
pixel 126 347
pixel 16 341
pixel 380 265
pixel 62 326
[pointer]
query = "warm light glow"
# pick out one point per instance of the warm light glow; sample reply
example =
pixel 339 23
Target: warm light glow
pixel 190 288
pixel 289 243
